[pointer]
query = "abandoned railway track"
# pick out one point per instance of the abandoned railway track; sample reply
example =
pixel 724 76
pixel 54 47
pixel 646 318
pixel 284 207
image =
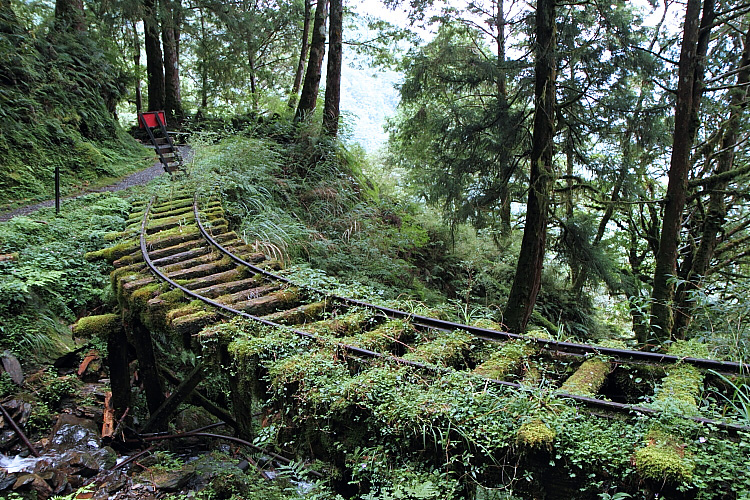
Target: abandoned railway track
pixel 210 274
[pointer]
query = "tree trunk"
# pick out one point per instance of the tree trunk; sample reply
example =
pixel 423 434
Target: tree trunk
pixel 69 15
pixel 309 95
pixel 331 111
pixel 716 210
pixel 137 63
pixel 154 63
pixel 170 35
pixel 528 276
pixel 302 56
pixel 203 66
pixel 690 73
pixel 502 103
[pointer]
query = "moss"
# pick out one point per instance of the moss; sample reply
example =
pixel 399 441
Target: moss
pixel 488 324
pixel 192 308
pixel 343 325
pixel 692 348
pixel 111 254
pixel 139 298
pixel 448 349
pixel 96 326
pixel 535 434
pixel 508 359
pixel 612 344
pixel 663 459
pixel 682 388
pixel 383 338
pixel 588 378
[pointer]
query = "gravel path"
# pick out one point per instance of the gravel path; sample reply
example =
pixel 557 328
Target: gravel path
pixel 134 179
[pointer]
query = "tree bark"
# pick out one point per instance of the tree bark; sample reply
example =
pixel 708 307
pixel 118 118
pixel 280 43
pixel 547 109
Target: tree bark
pixel 170 35
pixel 527 281
pixel 690 73
pixel 154 63
pixel 203 65
pixel 309 95
pixel 69 15
pixel 137 63
pixel 302 56
pixel 331 111
pixel 716 211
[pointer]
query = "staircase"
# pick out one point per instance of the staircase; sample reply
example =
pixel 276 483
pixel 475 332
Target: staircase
pixel 156 127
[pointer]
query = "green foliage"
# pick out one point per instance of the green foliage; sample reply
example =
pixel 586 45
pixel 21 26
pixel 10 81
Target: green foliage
pixel 7 386
pixel 51 280
pixel 58 90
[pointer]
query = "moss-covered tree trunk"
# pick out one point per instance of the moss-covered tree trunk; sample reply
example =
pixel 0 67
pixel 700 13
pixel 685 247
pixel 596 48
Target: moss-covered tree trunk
pixel 69 15
pixel 333 75
pixel 716 211
pixel 154 65
pixel 689 90
pixel 170 36
pixel 302 55
pixel 528 276
pixel 309 96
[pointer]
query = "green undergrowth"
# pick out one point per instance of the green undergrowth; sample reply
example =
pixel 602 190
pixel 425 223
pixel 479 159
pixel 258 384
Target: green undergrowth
pixel 46 283
pixel 57 93
pixel 390 431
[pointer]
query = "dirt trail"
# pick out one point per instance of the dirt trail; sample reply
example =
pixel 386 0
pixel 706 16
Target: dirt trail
pixel 134 179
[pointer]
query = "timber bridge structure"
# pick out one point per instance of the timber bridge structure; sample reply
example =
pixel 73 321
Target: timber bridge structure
pixel 181 271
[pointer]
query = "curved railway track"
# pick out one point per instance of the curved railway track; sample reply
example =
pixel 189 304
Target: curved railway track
pixel 213 266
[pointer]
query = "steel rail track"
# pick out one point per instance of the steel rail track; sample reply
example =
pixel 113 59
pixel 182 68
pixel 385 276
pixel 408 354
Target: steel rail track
pixel 485 333
pixel 567 347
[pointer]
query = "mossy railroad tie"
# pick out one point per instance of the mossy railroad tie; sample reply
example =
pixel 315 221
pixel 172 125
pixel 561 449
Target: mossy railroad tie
pixel 663 458
pixel 589 378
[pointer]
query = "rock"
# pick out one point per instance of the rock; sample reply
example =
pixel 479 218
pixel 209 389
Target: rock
pixel 80 463
pixel 7 438
pixel 60 483
pixel 12 367
pixel 6 480
pixel 173 480
pixel 35 483
pixel 19 410
pixel 73 432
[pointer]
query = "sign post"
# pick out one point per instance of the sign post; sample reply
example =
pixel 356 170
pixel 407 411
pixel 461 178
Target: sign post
pixel 57 189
